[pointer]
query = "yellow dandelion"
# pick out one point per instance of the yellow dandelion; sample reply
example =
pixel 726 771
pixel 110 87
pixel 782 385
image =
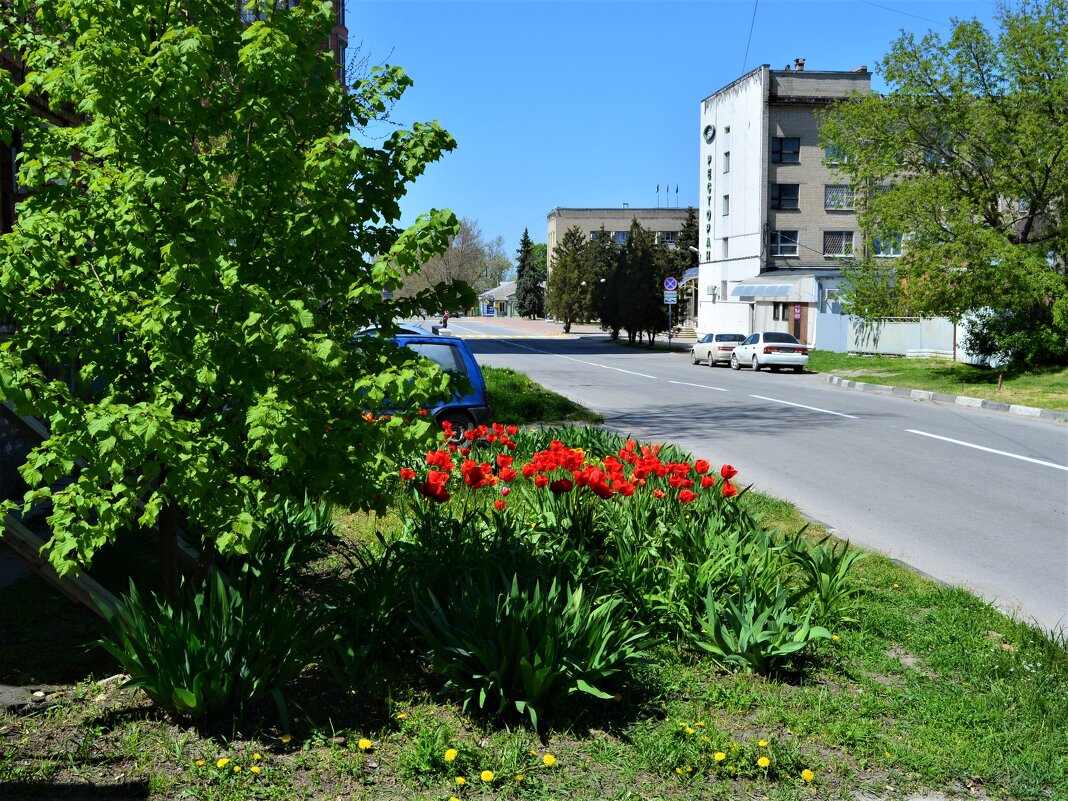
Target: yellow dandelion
pixel 886 754
pixel 549 760
pixel 689 769
pixel 835 637
pixel 451 754
pixel 364 744
pixel 704 739
pixel 807 775
pixel 460 781
pixel 719 756
pixel 683 724
pixel 453 798
pixel 486 776
pixel 533 752
pixel 678 771
pixel 401 716
pixel 689 730
pixel 237 768
pixel 763 762
pixel 255 768
pixel 285 738
pixel 199 763
pixel 895 586
pixel 519 777
pixel 700 724
pixel 222 763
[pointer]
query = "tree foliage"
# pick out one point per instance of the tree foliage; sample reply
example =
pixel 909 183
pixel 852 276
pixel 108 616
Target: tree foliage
pixel 194 257
pixel 966 158
pixel 530 280
pixel 643 264
pixel 608 288
pixel 470 258
pixel 569 285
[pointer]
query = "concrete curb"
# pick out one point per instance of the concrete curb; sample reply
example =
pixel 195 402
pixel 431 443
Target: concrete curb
pixel 958 400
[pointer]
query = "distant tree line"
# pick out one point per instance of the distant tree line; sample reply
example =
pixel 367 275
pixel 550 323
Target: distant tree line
pixel 622 286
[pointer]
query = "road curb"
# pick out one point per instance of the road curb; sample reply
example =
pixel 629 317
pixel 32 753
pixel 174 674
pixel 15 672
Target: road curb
pixel 958 400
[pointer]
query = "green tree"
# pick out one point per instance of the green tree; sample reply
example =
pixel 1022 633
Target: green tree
pixel 608 286
pixel 641 276
pixel 195 256
pixel 965 164
pixel 530 279
pixel 681 258
pixel 568 287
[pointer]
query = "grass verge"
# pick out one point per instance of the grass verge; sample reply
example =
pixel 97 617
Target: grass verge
pixel 1046 388
pixel 519 400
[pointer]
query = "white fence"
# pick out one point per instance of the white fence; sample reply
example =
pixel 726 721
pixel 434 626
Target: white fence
pixel 914 337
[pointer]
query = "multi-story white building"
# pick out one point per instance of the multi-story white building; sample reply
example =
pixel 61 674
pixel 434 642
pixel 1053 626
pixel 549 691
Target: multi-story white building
pixel 775 217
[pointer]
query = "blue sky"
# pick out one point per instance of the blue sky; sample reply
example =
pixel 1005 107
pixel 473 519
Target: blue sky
pixel 594 104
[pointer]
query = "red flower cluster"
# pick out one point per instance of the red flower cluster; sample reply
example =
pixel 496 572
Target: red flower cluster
pixel 563 469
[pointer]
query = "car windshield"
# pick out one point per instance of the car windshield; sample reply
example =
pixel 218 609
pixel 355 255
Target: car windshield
pixel 445 356
pixel 729 337
pixel 775 336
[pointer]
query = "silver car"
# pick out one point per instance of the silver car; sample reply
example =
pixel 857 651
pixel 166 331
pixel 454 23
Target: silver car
pixel 714 348
pixel 771 349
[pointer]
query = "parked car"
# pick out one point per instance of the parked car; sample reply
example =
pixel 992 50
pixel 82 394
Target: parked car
pixel 404 329
pixel 453 355
pixel 714 348
pixel 771 349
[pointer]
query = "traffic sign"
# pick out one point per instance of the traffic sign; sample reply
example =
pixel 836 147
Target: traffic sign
pixel 671 284
pixel 671 298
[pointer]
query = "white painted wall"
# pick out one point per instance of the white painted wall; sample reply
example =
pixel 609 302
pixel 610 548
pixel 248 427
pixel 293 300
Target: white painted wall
pixel 737 112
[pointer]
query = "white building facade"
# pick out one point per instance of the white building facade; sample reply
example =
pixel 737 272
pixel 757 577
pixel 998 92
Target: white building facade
pixel 776 218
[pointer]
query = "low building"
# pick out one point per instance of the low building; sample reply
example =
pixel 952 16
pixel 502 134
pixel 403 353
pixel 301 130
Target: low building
pixel 665 223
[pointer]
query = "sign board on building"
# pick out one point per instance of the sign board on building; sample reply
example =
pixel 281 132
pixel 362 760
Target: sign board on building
pixel 797 311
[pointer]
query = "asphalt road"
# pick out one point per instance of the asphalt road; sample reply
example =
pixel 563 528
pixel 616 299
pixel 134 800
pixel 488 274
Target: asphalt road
pixel 972 498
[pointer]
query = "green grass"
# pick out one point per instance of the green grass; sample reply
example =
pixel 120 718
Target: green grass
pixel 518 400
pixel 931 689
pixel 1045 388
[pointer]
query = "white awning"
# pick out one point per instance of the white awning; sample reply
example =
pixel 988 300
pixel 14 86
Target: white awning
pixel 801 289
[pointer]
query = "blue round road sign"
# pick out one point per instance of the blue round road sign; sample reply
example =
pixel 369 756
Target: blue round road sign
pixel 671 284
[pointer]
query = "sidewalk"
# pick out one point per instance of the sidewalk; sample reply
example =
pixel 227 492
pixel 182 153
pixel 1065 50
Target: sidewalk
pixel 544 327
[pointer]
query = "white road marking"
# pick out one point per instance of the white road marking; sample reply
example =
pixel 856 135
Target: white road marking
pixel 989 450
pixel 802 406
pixel 699 386
pixel 582 361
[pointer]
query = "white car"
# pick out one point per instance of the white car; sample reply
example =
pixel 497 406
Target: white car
pixel 714 348
pixel 771 349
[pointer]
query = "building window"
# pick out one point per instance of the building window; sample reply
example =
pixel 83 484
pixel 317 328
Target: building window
pixel 669 237
pixel 726 205
pixel 726 250
pixel 783 243
pixel 620 237
pixel 785 196
pixel 837 197
pixel 727 161
pixel 785 150
pixel 837 243
pixel 780 311
pixel 723 289
pixel 829 303
pixel 888 247
pixel 835 155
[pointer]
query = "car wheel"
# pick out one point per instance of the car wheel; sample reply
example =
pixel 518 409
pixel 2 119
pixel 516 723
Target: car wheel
pixel 693 356
pixel 711 360
pixel 461 424
pixel 756 364
pixel 734 363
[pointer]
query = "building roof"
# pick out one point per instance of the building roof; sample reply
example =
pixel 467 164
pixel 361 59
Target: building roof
pixel 505 291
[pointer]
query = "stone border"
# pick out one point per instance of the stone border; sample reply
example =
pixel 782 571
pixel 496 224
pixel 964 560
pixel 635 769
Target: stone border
pixel 958 400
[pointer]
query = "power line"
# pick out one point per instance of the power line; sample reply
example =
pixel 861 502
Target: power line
pixel 752 22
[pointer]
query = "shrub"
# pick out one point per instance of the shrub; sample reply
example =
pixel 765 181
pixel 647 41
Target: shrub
pixel 225 648
pixel 755 629
pixel 825 573
pixel 507 645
